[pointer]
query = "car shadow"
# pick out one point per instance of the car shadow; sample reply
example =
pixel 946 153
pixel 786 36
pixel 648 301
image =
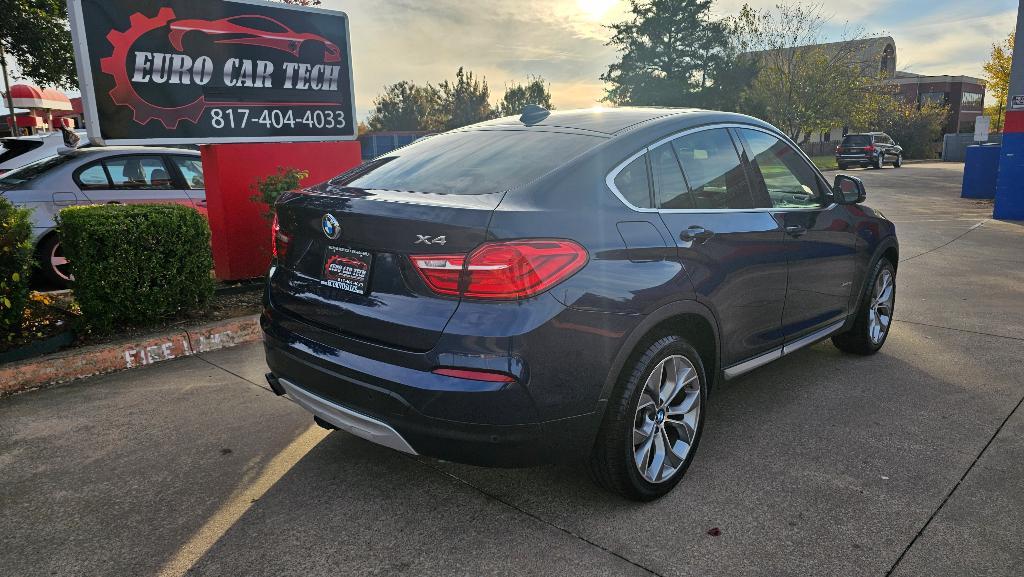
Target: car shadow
pixel 820 447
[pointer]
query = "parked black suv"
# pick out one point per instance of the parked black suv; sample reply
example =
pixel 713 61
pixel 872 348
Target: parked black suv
pixel 567 285
pixel 870 149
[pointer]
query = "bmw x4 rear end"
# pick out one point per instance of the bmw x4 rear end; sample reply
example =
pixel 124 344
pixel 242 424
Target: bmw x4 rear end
pixel 494 296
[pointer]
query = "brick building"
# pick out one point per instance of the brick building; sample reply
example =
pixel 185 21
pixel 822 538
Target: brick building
pixel 964 95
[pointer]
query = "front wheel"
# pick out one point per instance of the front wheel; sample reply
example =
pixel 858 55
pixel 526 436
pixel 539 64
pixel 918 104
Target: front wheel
pixel 654 423
pixel 874 315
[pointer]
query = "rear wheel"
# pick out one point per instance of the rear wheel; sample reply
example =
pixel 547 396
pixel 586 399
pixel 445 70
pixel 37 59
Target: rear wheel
pixel 877 163
pixel 52 263
pixel 898 162
pixel 654 422
pixel 874 315
pixel 843 166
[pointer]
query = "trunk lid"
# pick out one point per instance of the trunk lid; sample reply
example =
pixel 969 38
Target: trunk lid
pixel 378 230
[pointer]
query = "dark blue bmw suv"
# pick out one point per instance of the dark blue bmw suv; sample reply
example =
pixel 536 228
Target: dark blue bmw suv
pixel 567 285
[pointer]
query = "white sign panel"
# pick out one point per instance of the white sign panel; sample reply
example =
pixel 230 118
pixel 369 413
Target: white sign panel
pixel 982 125
pixel 1017 102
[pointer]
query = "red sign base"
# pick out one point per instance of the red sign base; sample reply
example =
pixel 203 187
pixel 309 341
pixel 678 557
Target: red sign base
pixel 241 235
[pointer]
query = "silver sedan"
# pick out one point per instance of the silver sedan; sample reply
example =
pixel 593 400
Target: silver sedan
pixel 109 175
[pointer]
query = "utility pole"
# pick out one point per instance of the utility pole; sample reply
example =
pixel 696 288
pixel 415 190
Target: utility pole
pixel 1010 186
pixel 10 100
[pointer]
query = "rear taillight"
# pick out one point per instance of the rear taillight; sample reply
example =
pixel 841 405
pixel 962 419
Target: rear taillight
pixel 839 149
pixel 279 241
pixel 869 148
pixel 502 270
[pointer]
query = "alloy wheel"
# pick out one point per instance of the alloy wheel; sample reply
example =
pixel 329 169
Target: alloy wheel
pixel 59 263
pixel 880 311
pixel 666 419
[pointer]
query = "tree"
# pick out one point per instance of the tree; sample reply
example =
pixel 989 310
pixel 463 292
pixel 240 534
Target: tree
pixel 997 73
pixel 465 101
pixel 517 96
pixel 37 35
pixel 670 53
pixel 802 85
pixel 917 129
pixel 407 106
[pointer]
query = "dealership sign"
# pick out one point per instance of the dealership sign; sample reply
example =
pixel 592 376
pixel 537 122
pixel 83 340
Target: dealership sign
pixel 189 72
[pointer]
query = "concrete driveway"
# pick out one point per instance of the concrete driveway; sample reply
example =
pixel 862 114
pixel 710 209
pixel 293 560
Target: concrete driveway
pixel 910 462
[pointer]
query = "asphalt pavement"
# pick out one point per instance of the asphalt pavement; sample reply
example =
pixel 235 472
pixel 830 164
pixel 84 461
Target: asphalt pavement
pixel 910 462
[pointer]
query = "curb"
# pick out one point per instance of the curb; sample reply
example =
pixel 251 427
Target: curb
pixel 93 360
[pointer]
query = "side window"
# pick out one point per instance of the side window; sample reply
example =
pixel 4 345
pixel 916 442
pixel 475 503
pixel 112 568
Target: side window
pixel 668 179
pixel 139 172
pixel 93 177
pixel 713 168
pixel 192 170
pixel 790 181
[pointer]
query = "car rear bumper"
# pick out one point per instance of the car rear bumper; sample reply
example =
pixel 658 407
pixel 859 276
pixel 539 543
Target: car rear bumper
pixel 855 158
pixel 391 397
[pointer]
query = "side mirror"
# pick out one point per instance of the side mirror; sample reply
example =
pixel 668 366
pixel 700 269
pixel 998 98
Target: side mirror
pixel 848 190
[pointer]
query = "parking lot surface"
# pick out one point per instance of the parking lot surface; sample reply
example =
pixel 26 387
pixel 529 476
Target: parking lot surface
pixel 906 463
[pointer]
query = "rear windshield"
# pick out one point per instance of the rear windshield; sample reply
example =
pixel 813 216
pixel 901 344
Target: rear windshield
pixel 31 171
pixel 13 148
pixel 857 140
pixel 474 162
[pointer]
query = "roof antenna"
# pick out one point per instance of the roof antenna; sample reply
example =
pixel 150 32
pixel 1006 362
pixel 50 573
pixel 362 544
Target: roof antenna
pixel 534 113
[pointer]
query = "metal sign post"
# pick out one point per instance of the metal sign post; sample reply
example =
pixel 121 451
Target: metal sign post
pixel 1010 186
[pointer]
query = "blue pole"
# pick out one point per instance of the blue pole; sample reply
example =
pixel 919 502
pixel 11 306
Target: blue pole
pixel 1010 186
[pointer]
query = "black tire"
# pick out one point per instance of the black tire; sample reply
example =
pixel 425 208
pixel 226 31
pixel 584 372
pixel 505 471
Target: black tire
pixel 612 464
pixel 877 163
pixel 858 339
pixel 898 162
pixel 843 166
pixel 49 247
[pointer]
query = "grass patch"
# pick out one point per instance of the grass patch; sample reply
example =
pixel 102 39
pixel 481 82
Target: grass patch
pixel 825 162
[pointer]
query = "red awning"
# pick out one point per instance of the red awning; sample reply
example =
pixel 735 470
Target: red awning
pixel 29 96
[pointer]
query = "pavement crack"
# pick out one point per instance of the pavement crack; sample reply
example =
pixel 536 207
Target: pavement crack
pixel 958 330
pixel 929 251
pixel 213 364
pixel 949 495
pixel 534 516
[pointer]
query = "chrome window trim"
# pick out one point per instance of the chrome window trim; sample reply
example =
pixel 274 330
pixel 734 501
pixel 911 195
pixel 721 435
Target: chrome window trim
pixel 610 178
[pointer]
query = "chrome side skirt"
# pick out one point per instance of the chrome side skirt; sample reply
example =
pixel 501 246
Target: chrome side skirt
pixel 347 420
pixel 761 360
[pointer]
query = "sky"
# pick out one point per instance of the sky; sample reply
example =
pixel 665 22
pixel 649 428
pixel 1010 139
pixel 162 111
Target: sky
pixel 563 40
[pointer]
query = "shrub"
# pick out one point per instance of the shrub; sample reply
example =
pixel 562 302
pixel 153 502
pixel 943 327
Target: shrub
pixel 136 264
pixel 15 266
pixel 270 188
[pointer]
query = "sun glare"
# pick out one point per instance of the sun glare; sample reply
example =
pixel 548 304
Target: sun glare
pixel 595 10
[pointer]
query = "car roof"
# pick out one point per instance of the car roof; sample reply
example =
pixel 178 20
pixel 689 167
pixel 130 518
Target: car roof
pixel 605 120
pixel 94 150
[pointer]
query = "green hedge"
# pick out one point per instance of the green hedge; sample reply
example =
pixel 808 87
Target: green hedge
pixel 136 264
pixel 15 266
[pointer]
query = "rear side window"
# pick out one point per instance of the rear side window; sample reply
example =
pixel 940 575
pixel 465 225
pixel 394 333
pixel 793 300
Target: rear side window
pixel 191 168
pixel 633 184
pixel 93 177
pixel 473 162
pixel 857 140
pixel 714 171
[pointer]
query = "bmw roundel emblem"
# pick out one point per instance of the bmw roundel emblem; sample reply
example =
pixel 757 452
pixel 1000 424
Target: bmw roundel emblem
pixel 331 226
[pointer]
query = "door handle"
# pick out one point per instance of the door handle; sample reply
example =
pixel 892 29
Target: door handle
pixel 796 230
pixel 696 233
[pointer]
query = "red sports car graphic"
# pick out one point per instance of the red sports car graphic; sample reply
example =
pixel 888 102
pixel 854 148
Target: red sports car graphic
pixel 336 264
pixel 271 34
